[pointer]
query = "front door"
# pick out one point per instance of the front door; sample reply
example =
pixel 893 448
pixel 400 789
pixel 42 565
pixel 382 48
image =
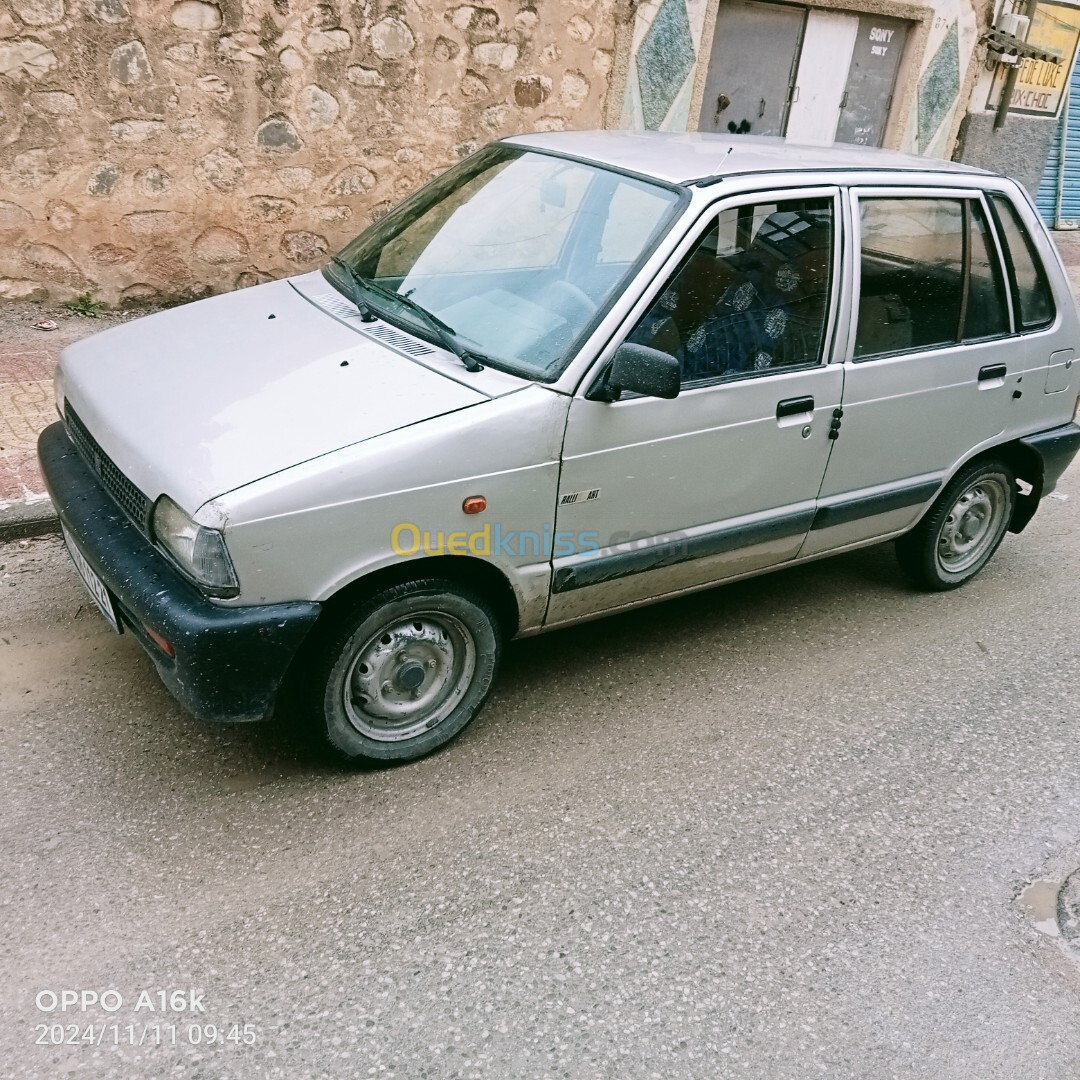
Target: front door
pixel 657 496
pixel 751 70
pixel 933 365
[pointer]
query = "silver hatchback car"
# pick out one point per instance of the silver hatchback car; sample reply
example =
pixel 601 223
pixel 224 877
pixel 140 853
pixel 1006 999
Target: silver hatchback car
pixel 576 373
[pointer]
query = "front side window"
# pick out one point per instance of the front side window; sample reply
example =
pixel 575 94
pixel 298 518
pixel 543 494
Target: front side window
pixel 751 297
pixel 1031 292
pixel 515 252
pixel 929 275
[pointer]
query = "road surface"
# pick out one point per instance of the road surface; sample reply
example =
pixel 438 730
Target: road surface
pixel 810 825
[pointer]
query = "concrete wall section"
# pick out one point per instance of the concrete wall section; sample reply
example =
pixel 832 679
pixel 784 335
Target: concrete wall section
pixel 166 148
pixel 1019 149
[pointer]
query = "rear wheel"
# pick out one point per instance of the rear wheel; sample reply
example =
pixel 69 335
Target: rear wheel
pixel 962 530
pixel 406 671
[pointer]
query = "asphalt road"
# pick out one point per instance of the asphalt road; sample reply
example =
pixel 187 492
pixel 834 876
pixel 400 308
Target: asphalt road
pixel 781 829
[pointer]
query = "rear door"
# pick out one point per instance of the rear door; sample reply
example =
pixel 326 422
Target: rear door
pixel 931 366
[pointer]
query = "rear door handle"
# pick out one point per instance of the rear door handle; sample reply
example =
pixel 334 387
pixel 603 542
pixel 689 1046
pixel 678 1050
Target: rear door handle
pixel 992 371
pixel 794 406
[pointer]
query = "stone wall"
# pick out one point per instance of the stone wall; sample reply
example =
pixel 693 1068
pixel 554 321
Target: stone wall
pixel 158 149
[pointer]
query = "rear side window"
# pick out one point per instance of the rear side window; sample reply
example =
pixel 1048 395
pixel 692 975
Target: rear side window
pixel 1031 290
pixel 929 276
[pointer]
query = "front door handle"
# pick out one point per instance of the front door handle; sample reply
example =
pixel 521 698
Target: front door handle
pixel 794 406
pixel 992 371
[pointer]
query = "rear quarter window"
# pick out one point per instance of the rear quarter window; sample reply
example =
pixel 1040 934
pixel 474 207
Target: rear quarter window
pixel 1032 298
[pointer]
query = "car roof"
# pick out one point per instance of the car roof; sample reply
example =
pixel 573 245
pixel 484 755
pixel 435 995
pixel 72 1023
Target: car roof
pixel 682 157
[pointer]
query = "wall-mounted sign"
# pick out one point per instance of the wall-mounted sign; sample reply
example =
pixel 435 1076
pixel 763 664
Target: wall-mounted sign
pixel 1040 84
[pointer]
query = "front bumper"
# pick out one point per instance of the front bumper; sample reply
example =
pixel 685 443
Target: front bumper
pixel 230 662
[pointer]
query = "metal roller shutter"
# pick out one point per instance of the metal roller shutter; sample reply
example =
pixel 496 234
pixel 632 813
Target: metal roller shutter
pixel 1069 178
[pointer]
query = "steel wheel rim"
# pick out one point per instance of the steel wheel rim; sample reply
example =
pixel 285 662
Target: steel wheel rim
pixel 409 676
pixel 972 525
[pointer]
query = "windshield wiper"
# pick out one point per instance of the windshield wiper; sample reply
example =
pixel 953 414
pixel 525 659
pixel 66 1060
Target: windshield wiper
pixel 447 335
pixel 358 283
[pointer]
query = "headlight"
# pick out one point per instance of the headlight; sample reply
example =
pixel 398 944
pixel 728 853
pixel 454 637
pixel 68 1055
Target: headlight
pixel 199 551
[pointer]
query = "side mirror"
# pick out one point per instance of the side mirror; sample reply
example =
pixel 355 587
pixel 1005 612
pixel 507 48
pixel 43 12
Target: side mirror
pixel 642 370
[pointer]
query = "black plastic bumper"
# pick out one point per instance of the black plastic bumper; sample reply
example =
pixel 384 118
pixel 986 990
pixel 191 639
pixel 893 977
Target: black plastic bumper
pixel 230 662
pixel 1056 449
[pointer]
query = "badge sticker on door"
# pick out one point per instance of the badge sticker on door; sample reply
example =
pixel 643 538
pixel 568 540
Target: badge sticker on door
pixel 575 497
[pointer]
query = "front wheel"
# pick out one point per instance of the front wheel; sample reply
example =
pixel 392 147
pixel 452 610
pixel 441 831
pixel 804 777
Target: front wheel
pixel 962 530
pixel 406 671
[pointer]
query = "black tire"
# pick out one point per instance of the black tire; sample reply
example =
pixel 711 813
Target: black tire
pixel 959 534
pixel 405 671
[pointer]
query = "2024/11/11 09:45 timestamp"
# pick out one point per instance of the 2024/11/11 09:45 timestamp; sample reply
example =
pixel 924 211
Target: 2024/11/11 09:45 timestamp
pixel 145 1034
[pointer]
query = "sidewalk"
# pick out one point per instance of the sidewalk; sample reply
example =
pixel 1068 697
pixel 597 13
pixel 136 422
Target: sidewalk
pixel 26 406
pixel 1068 243
pixel 27 358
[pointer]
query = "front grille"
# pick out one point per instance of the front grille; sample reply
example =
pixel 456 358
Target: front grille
pixel 126 495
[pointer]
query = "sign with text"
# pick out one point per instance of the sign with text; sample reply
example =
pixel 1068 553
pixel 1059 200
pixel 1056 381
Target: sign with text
pixel 1040 84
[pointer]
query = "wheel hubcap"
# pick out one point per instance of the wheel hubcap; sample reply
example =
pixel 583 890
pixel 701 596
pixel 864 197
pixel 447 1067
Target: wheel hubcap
pixel 409 676
pixel 971 526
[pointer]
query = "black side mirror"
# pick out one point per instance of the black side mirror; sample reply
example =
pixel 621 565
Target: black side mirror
pixel 642 370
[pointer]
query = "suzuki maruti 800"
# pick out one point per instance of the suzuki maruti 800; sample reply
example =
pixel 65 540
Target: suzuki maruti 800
pixel 576 373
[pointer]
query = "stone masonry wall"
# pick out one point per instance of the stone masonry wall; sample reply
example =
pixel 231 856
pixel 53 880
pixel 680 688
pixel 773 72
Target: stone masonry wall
pixel 160 149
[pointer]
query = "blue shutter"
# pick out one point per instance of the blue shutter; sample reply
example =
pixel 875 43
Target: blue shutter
pixel 1046 198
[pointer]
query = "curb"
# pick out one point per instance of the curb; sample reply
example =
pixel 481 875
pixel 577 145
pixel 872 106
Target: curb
pixel 21 520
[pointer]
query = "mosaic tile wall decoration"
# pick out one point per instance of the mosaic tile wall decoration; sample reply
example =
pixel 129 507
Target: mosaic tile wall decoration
pixel 939 87
pixel 663 60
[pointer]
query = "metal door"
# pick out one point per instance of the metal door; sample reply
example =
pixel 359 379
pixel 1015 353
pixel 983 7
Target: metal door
pixel 823 70
pixel 1060 184
pixel 755 51
pixel 864 109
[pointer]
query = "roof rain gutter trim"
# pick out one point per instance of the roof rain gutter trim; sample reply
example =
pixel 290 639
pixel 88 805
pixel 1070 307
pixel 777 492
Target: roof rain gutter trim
pixel 708 181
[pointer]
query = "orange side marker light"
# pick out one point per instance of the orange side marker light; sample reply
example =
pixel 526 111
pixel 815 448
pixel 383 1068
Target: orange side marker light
pixel 159 641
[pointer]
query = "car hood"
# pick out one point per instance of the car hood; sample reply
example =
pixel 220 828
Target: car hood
pixel 205 398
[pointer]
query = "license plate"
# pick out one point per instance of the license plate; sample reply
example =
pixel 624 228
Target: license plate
pixel 94 585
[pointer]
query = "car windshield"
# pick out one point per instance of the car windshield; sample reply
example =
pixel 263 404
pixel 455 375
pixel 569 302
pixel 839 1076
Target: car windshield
pixel 516 253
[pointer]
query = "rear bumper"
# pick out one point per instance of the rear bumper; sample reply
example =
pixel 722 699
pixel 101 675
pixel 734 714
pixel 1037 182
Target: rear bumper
pixel 230 662
pixel 1056 449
